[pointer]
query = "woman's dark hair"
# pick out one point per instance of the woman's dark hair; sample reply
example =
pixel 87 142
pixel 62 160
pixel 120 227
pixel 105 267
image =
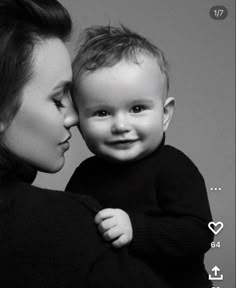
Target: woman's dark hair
pixel 23 24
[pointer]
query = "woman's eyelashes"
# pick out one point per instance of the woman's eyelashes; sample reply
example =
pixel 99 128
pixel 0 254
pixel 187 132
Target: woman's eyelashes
pixel 58 98
pixel 58 103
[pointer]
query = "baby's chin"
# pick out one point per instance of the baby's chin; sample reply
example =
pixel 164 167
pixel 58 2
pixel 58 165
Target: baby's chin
pixel 120 158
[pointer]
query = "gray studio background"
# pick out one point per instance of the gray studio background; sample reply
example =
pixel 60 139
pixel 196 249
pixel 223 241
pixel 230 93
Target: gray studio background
pixel 201 53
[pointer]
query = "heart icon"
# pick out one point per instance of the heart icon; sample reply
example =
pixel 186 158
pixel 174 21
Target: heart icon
pixel 215 227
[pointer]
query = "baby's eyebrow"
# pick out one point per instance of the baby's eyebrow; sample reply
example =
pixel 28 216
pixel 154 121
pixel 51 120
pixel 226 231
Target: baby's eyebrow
pixel 142 101
pixel 95 108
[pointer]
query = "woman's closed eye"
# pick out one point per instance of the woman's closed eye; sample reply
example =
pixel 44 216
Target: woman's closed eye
pixel 58 98
pixel 58 103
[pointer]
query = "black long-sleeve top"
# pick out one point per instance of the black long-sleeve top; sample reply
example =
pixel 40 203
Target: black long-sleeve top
pixel 48 240
pixel 166 199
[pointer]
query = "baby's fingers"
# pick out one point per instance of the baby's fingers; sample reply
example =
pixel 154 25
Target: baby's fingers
pixel 106 224
pixel 111 234
pixel 121 241
pixel 104 214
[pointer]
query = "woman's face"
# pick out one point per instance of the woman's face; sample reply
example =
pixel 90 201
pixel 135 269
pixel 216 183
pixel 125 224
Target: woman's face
pixel 39 132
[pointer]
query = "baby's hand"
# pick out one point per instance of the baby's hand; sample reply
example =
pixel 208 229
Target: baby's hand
pixel 115 224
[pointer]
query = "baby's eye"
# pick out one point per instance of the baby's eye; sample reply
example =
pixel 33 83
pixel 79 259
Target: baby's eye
pixel 137 108
pixel 101 113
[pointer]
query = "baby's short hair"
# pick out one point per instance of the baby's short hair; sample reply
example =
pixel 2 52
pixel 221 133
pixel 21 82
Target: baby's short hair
pixel 105 46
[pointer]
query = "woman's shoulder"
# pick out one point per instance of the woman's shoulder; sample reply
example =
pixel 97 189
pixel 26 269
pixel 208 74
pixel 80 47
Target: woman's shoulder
pixel 29 199
pixel 31 206
pixel 39 217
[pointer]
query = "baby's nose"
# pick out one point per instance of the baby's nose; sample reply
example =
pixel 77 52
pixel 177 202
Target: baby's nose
pixel 121 124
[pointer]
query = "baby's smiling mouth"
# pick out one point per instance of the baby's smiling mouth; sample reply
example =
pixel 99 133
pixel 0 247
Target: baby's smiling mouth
pixel 122 143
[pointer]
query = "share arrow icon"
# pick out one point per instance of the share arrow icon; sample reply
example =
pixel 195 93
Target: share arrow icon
pixel 216 277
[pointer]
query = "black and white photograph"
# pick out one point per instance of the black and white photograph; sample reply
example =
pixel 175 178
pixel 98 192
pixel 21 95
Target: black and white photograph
pixel 117 143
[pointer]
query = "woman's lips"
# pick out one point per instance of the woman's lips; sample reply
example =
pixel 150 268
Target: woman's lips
pixel 65 145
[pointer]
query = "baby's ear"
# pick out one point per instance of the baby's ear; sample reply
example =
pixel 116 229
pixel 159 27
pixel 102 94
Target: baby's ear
pixel 168 112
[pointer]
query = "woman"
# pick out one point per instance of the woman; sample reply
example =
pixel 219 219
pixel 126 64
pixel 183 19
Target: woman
pixel 47 238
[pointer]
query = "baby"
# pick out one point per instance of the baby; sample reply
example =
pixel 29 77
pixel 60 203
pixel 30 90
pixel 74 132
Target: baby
pixel 155 197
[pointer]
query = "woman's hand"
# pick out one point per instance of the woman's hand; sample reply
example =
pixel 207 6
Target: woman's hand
pixel 115 226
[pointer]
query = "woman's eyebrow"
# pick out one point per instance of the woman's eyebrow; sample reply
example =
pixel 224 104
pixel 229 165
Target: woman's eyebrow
pixel 63 85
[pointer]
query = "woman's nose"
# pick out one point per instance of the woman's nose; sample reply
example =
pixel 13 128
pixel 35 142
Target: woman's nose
pixel 71 116
pixel 120 125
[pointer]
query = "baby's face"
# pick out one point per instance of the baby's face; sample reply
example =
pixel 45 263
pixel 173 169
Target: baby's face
pixel 121 109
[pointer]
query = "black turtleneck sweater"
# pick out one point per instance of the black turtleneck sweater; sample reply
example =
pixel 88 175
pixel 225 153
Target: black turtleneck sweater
pixel 48 239
pixel 166 199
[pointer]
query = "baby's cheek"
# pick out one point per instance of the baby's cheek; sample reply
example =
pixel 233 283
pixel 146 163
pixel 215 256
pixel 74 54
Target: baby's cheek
pixel 101 130
pixel 96 133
